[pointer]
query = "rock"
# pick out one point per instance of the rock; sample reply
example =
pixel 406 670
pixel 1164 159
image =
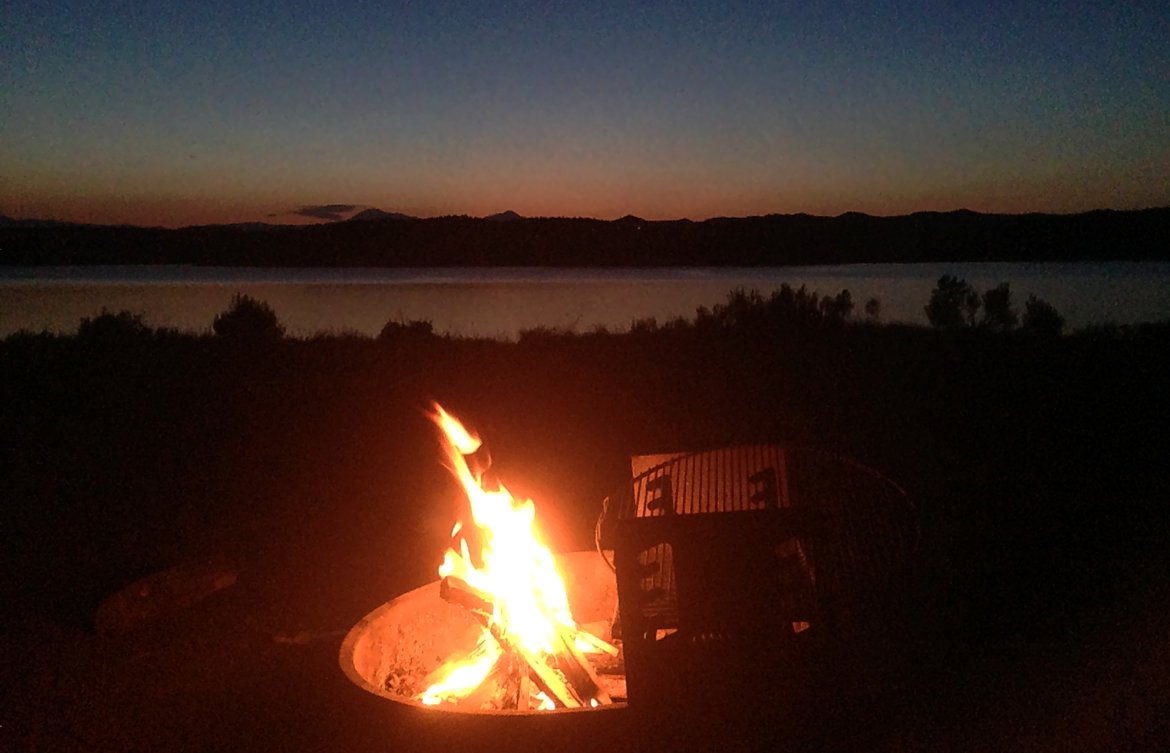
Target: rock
pixel 163 594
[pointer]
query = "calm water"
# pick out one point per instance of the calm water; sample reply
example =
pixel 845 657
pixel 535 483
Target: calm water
pixel 501 302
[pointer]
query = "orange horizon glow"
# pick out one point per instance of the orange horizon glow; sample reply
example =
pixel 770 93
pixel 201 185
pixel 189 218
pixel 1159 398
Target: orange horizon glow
pixel 177 213
pixel 605 191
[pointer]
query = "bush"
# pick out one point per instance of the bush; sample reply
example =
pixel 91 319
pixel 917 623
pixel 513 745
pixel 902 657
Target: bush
pixel 786 308
pixel 398 330
pixel 998 314
pixel 836 309
pixel 1041 318
pixel 545 335
pixel 248 320
pixel 646 326
pixel 106 326
pixel 953 303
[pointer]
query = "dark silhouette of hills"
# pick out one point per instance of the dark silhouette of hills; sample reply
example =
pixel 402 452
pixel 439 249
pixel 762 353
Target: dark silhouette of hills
pixel 242 226
pixel 374 214
pixel 630 221
pixel 506 216
pixel 6 221
pixel 771 240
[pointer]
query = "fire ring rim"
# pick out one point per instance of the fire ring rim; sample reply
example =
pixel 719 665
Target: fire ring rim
pixel 346 657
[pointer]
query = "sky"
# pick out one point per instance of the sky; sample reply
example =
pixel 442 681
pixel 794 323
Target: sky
pixel 188 113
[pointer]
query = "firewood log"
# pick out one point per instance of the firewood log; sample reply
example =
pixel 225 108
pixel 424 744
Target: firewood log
pixel 457 591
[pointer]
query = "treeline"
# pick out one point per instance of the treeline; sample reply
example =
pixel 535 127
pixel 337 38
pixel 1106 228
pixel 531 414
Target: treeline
pixel 954 304
pixel 772 240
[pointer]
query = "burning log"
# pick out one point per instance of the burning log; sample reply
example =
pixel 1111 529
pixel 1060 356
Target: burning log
pixel 547 679
pixel 580 684
pixel 576 667
pixel 457 591
pixel 595 642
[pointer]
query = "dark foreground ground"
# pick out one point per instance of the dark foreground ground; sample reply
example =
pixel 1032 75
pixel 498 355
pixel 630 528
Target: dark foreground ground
pixel 1035 614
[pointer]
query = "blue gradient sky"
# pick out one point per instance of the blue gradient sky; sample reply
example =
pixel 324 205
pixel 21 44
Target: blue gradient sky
pixel 247 110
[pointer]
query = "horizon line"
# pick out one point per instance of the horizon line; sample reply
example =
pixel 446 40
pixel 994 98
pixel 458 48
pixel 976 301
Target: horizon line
pixel 403 217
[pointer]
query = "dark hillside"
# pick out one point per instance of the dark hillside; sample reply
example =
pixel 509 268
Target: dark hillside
pixel 773 240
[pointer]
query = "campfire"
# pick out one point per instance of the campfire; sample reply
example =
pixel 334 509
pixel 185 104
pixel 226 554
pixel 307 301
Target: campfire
pixel 530 653
pixel 739 570
pixel 497 632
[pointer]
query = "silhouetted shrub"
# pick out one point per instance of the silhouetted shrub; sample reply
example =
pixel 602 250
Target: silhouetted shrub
pixel 998 313
pixel 248 320
pixel 836 309
pixel 704 319
pixel 340 335
pixel 644 326
pixel 542 334
pixel 794 306
pixel 744 309
pixel 785 308
pixel 953 303
pixel 26 337
pixel 106 326
pixel 873 310
pixel 1041 318
pixel 397 330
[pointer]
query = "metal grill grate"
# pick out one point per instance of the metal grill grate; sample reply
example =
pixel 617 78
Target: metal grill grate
pixel 751 549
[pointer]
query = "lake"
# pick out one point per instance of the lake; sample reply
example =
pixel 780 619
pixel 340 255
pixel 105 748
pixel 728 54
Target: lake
pixel 500 302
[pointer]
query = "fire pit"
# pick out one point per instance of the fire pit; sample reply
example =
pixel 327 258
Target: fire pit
pixel 500 633
pixel 393 648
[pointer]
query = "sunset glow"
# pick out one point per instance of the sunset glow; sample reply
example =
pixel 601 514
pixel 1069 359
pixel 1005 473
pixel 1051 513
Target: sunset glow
pixel 253 112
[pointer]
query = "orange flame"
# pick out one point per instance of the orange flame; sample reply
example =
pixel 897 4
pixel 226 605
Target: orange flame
pixel 518 572
pixel 461 676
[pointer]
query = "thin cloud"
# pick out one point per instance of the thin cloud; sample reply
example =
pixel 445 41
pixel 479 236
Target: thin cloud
pixel 327 212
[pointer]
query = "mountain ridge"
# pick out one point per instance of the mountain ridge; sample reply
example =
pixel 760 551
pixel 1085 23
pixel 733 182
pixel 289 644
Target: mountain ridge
pixel 765 240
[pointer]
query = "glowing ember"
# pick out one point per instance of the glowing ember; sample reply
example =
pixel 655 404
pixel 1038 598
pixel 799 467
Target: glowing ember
pixel 517 592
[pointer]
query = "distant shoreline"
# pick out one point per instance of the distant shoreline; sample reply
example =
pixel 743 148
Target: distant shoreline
pixel 628 243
